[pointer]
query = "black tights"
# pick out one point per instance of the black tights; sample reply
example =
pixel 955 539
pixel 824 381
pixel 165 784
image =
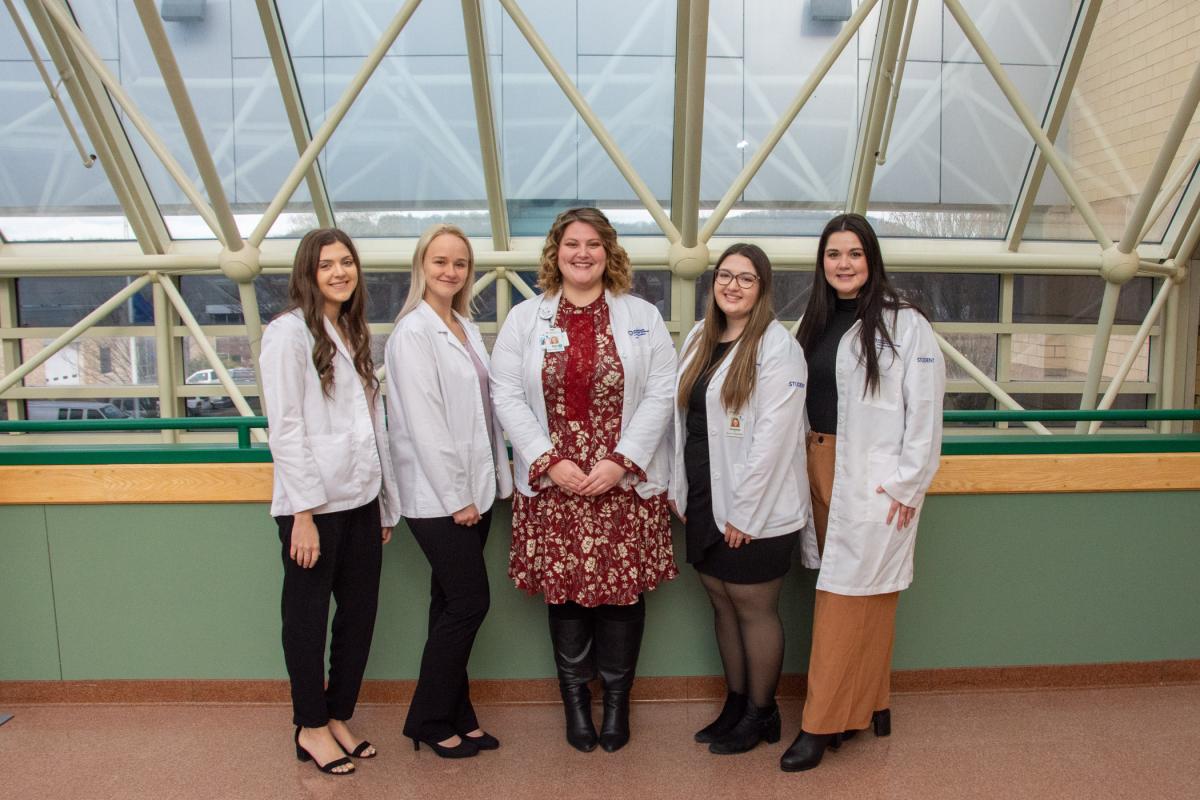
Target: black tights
pixel 749 635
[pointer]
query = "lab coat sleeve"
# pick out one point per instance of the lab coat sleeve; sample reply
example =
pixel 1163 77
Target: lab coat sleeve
pixel 282 365
pixel 778 400
pixel 924 387
pixel 649 421
pixel 508 393
pixel 419 398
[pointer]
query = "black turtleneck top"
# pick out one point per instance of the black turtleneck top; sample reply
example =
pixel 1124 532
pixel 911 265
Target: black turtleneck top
pixel 822 398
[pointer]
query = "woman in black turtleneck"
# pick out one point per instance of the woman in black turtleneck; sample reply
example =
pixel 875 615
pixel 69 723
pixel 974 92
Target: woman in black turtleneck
pixel 876 380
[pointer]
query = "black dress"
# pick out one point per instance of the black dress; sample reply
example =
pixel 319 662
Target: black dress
pixel 757 561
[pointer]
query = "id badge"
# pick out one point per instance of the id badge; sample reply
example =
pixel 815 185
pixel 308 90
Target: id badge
pixel 553 340
pixel 734 427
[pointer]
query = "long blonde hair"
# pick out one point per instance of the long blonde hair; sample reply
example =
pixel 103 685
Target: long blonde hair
pixel 743 372
pixel 416 288
pixel 618 275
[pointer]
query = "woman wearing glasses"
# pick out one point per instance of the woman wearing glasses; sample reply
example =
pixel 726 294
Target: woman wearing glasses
pixel 451 464
pixel 739 484
pixel 583 378
pixel 875 418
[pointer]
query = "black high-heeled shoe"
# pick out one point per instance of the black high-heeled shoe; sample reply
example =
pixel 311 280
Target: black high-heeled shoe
pixel 464 749
pixel 360 751
pixel 881 724
pixel 485 741
pixel 303 755
pixel 806 752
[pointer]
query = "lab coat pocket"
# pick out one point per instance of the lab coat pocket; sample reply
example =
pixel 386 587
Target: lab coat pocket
pixel 334 455
pixel 880 467
pixel 890 382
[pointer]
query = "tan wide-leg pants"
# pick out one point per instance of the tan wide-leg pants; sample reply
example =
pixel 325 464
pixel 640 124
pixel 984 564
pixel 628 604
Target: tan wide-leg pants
pixel 849 671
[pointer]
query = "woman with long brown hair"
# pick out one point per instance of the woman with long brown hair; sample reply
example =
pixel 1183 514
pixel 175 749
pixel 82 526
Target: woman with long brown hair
pixel 334 497
pixel 875 417
pixel 583 385
pixel 739 484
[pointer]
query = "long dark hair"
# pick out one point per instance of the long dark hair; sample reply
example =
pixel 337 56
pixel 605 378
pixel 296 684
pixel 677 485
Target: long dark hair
pixel 304 294
pixel 876 297
pixel 743 372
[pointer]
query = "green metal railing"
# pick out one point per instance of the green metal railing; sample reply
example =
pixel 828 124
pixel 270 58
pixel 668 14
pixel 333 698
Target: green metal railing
pixel 247 451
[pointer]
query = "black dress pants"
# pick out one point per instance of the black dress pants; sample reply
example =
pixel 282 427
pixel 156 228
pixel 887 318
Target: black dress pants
pixel 348 569
pixel 458 602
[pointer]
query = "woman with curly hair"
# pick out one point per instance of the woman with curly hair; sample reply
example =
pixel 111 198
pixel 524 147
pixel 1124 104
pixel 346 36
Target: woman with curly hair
pixel 584 386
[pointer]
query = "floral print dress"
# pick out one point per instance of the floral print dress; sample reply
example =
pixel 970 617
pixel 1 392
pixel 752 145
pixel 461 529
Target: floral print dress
pixel 590 550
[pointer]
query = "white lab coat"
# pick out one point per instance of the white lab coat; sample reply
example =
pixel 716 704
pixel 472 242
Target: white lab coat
pixel 892 439
pixel 327 454
pixel 443 456
pixel 759 479
pixel 647 357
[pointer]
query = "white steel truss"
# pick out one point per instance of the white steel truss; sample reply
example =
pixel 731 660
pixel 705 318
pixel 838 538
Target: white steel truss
pixel 689 242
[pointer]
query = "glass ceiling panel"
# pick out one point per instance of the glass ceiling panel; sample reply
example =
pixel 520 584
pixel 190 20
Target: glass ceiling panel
pixel 407 153
pixel 1125 99
pixel 621 56
pixel 760 55
pixel 46 192
pixel 957 152
pixel 236 97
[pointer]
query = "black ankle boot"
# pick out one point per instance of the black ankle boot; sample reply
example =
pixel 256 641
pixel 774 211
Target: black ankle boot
pixel 756 725
pixel 735 707
pixel 573 657
pixel 617 647
pixel 806 751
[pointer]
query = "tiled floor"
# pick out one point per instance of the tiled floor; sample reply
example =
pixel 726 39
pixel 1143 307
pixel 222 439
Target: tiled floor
pixel 1094 743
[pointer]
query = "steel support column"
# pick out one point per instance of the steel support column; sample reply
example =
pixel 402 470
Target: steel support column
pixel 293 104
pixel 693 133
pixel 892 14
pixel 1028 120
pixel 768 146
pixel 107 136
pixel 485 118
pixel 67 27
pixel 168 67
pixel 336 114
pixel 576 98
pixel 1064 87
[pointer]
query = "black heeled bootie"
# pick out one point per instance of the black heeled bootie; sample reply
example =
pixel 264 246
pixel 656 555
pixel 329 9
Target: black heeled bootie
pixel 756 725
pixel 617 645
pixel 735 707
pixel 806 751
pixel 881 722
pixel 574 660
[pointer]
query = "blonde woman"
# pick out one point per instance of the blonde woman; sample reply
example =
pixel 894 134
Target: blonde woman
pixel 739 484
pixel 451 465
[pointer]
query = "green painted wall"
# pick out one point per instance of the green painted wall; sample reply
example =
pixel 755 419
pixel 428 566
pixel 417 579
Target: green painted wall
pixel 192 591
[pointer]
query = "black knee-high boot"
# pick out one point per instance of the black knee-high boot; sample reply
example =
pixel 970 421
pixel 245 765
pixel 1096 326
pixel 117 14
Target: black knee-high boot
pixel 617 645
pixel 574 657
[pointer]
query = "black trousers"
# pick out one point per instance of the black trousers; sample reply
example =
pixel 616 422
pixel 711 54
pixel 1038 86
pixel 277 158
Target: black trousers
pixel 348 569
pixel 458 602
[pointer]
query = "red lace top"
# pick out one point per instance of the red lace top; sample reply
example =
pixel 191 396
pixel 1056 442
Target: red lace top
pixel 591 550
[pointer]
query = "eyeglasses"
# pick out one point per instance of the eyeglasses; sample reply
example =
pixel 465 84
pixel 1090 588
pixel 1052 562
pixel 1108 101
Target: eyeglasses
pixel 745 280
